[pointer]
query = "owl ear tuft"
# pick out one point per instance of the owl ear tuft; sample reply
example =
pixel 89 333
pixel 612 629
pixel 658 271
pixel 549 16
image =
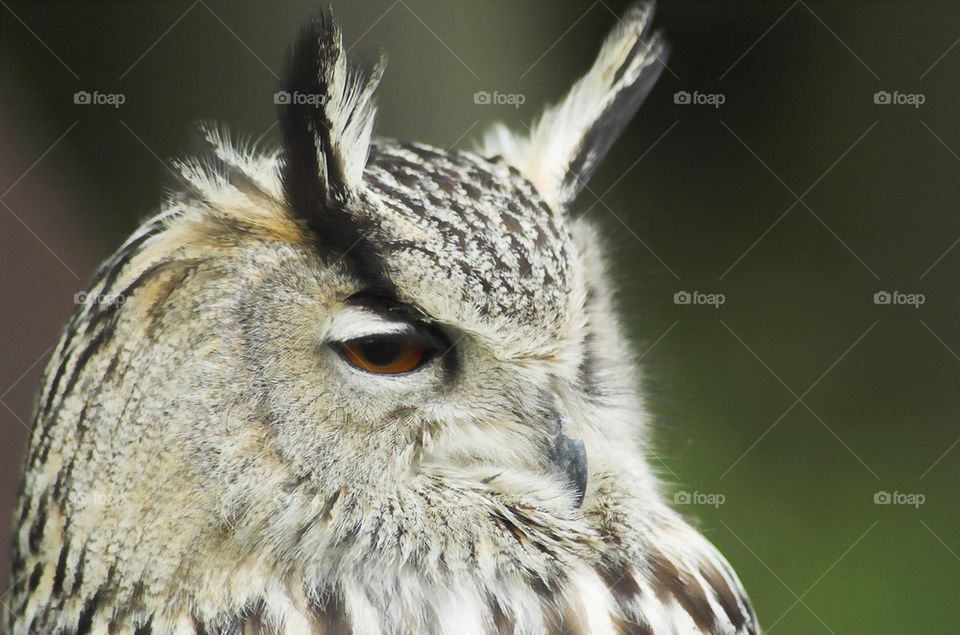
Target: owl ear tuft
pixel 569 140
pixel 327 108
pixel 326 113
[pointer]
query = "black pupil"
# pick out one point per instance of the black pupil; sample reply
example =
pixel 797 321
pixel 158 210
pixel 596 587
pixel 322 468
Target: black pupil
pixel 381 351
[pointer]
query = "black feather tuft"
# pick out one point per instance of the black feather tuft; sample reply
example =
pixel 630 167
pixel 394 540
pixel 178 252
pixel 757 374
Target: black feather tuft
pixel 312 168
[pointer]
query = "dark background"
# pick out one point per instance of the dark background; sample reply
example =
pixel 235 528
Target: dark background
pixel 790 407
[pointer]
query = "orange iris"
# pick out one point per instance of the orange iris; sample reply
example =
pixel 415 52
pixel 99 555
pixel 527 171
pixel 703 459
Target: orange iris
pixel 385 355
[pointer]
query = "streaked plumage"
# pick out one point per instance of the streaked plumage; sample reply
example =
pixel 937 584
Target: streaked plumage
pixel 205 461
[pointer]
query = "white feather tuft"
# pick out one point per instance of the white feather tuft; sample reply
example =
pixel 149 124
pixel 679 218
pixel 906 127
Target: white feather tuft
pixel 351 110
pixel 569 139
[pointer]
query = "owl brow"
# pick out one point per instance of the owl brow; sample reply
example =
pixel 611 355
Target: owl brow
pixel 388 306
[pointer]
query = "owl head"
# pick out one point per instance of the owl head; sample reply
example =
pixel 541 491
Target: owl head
pixel 353 380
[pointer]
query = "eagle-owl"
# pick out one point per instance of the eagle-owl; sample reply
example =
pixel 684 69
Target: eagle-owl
pixel 357 385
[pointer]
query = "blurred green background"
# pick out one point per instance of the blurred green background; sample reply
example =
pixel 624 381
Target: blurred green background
pixel 781 415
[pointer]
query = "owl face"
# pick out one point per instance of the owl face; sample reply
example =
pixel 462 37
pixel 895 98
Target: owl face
pixel 458 355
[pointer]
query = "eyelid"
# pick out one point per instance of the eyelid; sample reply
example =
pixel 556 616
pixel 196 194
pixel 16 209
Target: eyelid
pixel 356 323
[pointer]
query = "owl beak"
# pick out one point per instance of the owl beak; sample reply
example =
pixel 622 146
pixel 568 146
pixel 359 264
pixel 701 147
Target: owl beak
pixel 570 456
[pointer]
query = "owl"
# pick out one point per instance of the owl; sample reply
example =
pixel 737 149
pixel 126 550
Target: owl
pixel 357 385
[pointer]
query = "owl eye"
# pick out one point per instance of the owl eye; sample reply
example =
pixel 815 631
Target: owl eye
pixel 386 354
